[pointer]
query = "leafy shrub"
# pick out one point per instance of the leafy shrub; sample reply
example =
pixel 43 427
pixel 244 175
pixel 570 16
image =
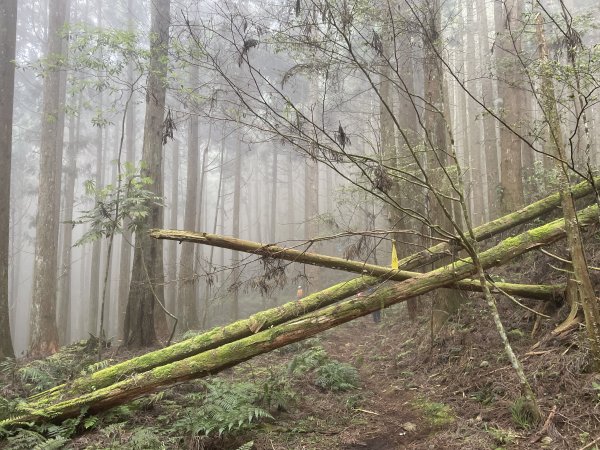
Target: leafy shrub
pixel 308 360
pixel 336 376
pixel 524 413
pixel 277 392
pixel 224 408
pixel 297 347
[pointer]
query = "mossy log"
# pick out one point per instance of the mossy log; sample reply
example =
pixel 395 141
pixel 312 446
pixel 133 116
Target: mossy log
pixel 497 226
pixel 242 328
pixel 228 355
pixel 540 292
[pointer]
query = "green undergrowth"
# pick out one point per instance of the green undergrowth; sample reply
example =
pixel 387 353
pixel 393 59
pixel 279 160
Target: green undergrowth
pixel 219 412
pixel 326 373
pixel 437 414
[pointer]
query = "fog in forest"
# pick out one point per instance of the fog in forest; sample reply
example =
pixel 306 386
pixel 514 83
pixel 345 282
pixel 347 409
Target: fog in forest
pixel 329 127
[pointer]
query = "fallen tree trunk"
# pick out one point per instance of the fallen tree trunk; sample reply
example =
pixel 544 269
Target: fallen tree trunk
pixel 427 256
pixel 497 226
pixel 413 261
pixel 205 341
pixel 242 328
pixel 540 292
pixel 225 356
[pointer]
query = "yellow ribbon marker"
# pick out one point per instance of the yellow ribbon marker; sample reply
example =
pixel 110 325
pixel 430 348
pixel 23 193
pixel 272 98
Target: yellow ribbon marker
pixel 394 255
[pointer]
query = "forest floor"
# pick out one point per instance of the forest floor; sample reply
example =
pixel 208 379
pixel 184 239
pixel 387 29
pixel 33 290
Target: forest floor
pixel 362 385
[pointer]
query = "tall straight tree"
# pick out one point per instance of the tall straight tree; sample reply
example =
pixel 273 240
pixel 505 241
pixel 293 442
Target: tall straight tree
pixel 171 293
pixel 492 173
pixel 44 333
pixel 186 302
pixel 8 36
pixel 147 275
pixel 508 45
pixel 436 118
pixel 126 237
pixel 473 125
pixel 235 225
pixel 63 311
pixel 94 297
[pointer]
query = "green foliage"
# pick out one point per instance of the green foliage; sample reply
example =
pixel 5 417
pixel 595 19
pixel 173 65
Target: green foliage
pixel 329 373
pixel 502 436
pixel 26 440
pixel 246 446
pixel 277 392
pixel 524 413
pixel 118 414
pixel 435 412
pixel 124 204
pixel 95 367
pixel 146 438
pixel 299 346
pixel 308 360
pixel 39 375
pixel 45 436
pixel 539 181
pixel 188 335
pixel 223 408
pixel 336 376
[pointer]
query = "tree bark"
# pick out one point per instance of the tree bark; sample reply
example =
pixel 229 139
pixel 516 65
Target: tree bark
pixel 235 227
pixel 44 333
pixel 186 301
pixel 63 315
pixel 171 290
pixel 96 262
pixel 473 125
pixel 8 36
pixel 225 356
pixel 147 276
pixel 507 17
pixel 490 149
pixel 497 226
pixel 437 123
pixel 273 206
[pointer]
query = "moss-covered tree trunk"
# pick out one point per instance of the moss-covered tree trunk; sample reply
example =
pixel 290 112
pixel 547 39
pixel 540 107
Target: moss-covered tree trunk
pixel 224 356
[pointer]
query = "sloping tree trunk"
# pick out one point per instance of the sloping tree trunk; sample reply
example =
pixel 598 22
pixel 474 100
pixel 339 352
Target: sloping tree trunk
pixel 44 333
pixel 8 35
pixel 587 296
pixel 332 262
pixel 147 277
pixel 286 312
pixel 225 356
